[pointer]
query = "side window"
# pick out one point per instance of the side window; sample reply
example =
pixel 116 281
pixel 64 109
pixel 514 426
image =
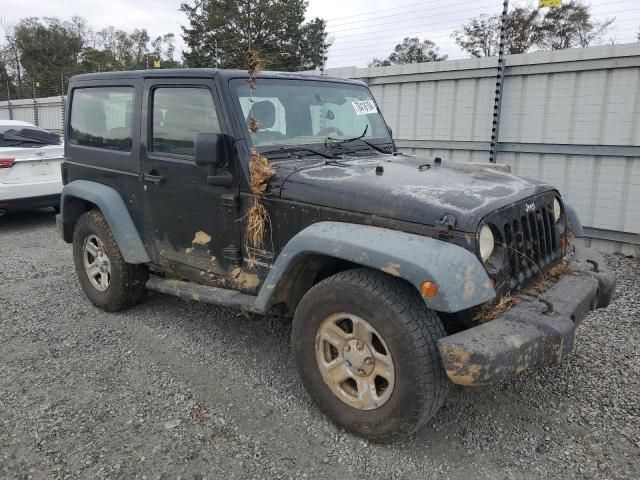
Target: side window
pixel 102 117
pixel 178 115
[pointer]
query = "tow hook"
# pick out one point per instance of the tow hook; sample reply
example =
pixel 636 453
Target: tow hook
pixel 595 265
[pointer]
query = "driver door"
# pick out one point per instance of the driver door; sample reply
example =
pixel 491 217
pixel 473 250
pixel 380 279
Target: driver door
pixel 192 226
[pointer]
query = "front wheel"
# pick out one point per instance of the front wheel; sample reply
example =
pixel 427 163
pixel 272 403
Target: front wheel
pixel 365 349
pixel 109 282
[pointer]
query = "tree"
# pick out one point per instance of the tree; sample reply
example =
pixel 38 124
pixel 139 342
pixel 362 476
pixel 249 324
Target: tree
pixel 480 37
pixel 523 30
pixel 221 31
pixel 11 55
pixel 560 27
pixel 48 48
pixel 570 25
pixel 411 50
pixel 163 48
pixel 44 49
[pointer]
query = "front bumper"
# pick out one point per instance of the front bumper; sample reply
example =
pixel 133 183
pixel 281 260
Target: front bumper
pixel 539 330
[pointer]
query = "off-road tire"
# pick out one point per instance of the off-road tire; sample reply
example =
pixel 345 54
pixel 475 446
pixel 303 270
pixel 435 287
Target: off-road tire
pixel 409 329
pixel 128 281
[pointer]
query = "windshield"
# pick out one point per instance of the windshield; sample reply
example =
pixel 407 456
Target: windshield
pixel 299 112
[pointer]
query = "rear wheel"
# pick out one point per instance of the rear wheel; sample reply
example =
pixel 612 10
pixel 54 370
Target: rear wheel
pixel 365 349
pixel 108 281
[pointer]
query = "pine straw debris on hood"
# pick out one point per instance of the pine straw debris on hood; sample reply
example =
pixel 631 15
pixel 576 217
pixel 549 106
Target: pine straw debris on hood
pixel 554 274
pixel 260 171
pixel 254 64
pixel 492 310
pixel 254 125
pixel 258 220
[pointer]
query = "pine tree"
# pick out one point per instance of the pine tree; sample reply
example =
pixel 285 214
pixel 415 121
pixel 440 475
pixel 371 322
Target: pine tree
pixel 221 31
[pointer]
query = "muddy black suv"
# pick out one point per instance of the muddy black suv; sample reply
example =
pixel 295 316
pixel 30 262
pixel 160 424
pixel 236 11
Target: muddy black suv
pixel 401 274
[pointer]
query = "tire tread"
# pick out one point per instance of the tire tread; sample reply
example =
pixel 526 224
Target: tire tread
pixel 422 324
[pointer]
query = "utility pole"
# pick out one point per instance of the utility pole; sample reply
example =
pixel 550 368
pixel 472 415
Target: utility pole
pixel 497 106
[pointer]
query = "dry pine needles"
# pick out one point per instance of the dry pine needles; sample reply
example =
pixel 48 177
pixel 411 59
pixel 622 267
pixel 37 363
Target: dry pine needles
pixel 260 171
pixel 493 310
pixel 254 64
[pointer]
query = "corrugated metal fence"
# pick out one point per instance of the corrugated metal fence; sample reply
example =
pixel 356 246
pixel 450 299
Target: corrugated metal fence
pixel 570 118
pixel 46 112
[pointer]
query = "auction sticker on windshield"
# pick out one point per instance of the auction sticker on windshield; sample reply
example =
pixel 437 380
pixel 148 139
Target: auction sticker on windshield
pixel 364 107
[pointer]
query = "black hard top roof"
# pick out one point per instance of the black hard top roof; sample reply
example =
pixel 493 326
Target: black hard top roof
pixel 202 73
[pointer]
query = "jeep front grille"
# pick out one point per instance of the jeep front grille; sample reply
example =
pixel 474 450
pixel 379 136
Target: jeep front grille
pixel 532 243
pixel 527 242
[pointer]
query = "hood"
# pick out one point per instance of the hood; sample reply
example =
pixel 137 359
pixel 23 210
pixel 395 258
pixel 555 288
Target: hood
pixel 408 188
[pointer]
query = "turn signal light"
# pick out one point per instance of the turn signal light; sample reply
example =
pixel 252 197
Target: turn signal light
pixel 429 289
pixel 6 162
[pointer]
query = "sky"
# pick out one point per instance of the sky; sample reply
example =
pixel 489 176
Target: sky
pixel 359 29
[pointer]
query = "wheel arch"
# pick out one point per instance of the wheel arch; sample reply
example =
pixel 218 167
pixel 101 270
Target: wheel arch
pixel 325 248
pixel 80 196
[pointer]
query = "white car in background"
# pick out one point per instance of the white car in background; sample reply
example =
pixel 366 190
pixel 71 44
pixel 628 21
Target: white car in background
pixel 30 161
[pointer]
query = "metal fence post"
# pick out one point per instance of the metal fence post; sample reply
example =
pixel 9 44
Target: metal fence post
pixel 35 104
pixel 62 101
pixel 9 106
pixel 497 106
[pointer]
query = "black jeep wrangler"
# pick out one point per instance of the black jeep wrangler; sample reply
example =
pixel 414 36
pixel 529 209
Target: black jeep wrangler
pixel 401 274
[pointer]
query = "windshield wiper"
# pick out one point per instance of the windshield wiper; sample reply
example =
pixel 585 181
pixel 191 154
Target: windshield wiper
pixel 299 149
pixel 334 142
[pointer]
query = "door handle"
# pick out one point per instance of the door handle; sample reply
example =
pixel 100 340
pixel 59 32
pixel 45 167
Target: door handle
pixel 153 177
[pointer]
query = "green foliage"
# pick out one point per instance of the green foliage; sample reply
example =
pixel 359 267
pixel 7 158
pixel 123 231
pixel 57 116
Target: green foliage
pixel 480 36
pixel 48 47
pixel 562 27
pixel 221 31
pixel 43 50
pixel 570 26
pixel 411 50
pixel 523 30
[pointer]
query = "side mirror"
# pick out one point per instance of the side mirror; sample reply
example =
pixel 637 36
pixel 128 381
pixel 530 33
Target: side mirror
pixel 212 149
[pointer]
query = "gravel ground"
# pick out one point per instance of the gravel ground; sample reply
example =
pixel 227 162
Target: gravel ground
pixel 172 389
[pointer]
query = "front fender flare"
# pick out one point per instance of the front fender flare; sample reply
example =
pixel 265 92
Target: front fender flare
pixel 115 213
pixel 462 280
pixel 574 220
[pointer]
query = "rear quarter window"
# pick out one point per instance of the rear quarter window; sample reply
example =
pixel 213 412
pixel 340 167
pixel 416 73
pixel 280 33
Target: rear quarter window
pixel 102 117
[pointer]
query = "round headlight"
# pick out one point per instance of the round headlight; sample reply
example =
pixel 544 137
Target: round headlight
pixel 486 242
pixel 557 210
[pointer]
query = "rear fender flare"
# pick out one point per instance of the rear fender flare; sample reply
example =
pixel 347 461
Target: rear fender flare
pixel 115 212
pixel 462 280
